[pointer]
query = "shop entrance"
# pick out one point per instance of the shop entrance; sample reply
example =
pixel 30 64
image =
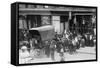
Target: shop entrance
pixel 81 24
pixel 56 23
pixel 60 23
pixel 34 21
pixel 64 23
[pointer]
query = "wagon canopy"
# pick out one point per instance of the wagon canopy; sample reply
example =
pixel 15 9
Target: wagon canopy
pixel 45 32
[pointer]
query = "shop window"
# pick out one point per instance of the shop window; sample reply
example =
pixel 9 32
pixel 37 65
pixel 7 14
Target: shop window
pixel 63 18
pixel 34 21
pixel 22 22
pixel 82 24
pixel 45 20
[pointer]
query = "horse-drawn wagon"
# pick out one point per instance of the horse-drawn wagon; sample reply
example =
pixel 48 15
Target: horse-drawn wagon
pixel 40 36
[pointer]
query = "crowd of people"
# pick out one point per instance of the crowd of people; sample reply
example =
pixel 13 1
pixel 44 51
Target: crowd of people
pixel 70 42
pixel 67 42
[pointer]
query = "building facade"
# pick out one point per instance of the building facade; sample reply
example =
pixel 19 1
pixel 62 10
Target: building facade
pixel 74 19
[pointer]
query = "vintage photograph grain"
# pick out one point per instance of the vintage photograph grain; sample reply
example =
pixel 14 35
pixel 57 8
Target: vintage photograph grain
pixel 54 33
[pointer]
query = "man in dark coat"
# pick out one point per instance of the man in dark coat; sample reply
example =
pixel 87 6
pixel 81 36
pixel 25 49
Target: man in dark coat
pixel 47 48
pixel 52 49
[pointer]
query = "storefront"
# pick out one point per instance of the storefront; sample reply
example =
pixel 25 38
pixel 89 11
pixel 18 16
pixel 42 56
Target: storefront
pixel 83 23
pixel 62 18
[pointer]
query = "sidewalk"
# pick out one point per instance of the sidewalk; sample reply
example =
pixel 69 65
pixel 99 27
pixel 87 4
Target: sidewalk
pixel 90 50
pixel 86 53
